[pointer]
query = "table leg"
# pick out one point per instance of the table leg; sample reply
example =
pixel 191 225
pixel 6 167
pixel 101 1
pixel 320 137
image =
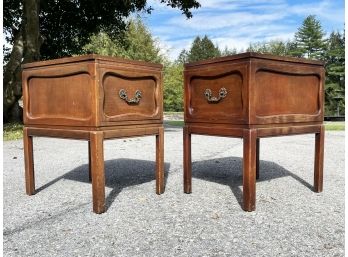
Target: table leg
pixel 160 161
pixel 187 161
pixel 89 162
pixel 28 163
pixel 249 169
pixel 97 170
pixel 257 158
pixel 319 160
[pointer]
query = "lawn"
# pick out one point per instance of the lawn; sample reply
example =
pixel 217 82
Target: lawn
pixel 334 125
pixel 13 131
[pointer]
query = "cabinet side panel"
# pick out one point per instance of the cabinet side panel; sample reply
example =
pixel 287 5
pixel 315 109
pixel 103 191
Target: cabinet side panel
pixel 61 95
pixel 286 92
pixel 279 94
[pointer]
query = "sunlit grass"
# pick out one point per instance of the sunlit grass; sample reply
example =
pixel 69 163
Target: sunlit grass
pixel 178 123
pixel 334 125
pixel 13 131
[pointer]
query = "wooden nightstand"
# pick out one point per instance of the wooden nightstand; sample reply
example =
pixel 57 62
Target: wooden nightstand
pixel 92 98
pixel 251 96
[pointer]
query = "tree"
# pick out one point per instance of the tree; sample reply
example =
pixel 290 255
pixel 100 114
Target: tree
pixel 137 44
pixel 202 49
pixel 309 39
pixel 183 56
pixel 46 29
pixel 276 47
pixel 227 51
pixel 335 74
pixel 173 87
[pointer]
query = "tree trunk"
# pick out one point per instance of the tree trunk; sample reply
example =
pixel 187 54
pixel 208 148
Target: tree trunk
pixel 31 36
pixel 12 86
pixel 26 48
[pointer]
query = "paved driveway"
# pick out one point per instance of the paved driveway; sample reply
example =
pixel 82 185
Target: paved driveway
pixel 290 219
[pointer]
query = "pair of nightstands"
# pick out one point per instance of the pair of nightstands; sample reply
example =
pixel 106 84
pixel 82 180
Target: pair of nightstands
pixel 249 95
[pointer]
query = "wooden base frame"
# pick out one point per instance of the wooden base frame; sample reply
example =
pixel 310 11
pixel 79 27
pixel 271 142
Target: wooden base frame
pixel 95 140
pixel 251 146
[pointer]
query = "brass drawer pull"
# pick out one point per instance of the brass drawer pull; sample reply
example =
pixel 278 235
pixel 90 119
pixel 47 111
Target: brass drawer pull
pixel 134 100
pixel 214 99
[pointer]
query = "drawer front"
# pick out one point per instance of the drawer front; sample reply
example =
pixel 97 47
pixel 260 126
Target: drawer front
pixel 216 95
pixel 61 95
pixel 288 93
pixel 131 95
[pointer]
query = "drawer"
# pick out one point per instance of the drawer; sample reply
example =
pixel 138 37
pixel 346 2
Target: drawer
pixel 130 95
pixel 216 95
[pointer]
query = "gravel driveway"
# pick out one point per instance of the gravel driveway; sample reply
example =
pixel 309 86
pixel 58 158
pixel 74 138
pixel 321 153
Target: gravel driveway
pixel 290 219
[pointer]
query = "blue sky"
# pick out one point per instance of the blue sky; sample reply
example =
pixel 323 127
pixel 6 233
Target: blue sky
pixel 237 23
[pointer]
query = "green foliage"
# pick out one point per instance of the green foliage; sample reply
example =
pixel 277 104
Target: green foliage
pixel 140 44
pixel 102 44
pixel 202 49
pixel 309 39
pixel 276 47
pixel 173 87
pixel 227 51
pixel 136 44
pixel 183 56
pixel 335 74
pixel 66 26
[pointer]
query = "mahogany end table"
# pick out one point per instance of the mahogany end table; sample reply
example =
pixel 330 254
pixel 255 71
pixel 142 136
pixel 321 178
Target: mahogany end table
pixel 252 96
pixel 92 98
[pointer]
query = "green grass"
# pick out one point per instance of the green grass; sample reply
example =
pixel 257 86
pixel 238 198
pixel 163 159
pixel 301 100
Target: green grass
pixel 338 125
pixel 178 123
pixel 13 131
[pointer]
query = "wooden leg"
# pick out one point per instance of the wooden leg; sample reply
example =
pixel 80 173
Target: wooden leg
pixel 28 163
pixel 187 161
pixel 257 158
pixel 319 160
pixel 160 161
pixel 89 162
pixel 97 170
pixel 249 169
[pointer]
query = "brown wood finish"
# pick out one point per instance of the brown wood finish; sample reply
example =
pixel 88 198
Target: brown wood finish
pixel 79 98
pixel 89 162
pixel 319 160
pixel 187 161
pixel 160 161
pixel 97 171
pixel 29 163
pixel 84 91
pixel 257 158
pixel 266 96
pixel 249 169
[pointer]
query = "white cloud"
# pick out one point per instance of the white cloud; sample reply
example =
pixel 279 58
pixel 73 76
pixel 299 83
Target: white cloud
pixel 218 21
pixel 237 23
